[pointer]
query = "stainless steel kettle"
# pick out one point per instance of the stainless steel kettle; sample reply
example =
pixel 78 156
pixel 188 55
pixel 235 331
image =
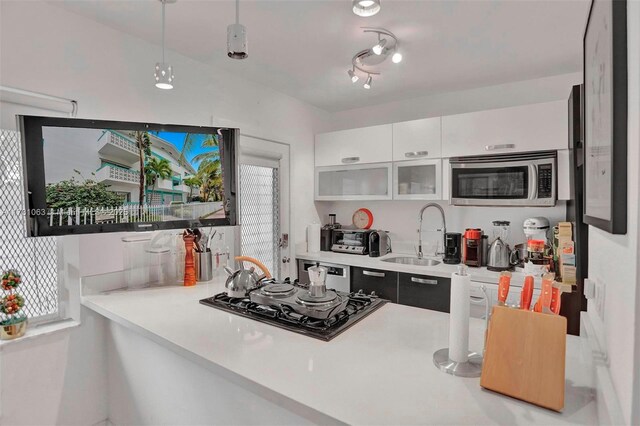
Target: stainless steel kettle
pixel 499 257
pixel 239 282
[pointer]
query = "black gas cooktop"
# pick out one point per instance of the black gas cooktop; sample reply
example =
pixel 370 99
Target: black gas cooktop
pixel 359 306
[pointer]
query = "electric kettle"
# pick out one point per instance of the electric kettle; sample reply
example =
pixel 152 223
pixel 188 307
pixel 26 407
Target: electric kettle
pixel 499 258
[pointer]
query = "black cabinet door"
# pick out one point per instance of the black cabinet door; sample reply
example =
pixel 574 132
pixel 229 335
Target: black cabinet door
pixel 384 283
pixel 424 291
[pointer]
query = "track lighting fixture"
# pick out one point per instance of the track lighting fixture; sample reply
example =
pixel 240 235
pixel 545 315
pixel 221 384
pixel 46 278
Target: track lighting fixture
pixel 367 62
pixel 164 71
pixel 367 84
pixel 366 8
pixel 237 47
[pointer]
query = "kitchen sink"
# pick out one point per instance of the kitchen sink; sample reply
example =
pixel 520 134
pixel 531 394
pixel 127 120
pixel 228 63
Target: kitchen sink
pixel 410 260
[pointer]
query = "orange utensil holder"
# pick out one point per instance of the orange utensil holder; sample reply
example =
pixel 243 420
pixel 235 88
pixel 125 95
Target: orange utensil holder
pixel 525 356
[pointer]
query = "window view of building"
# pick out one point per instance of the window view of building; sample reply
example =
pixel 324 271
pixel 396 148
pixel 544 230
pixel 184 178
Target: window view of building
pixel 105 176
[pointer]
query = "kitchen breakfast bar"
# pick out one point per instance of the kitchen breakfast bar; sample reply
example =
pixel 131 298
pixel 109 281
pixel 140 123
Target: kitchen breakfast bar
pixel 229 369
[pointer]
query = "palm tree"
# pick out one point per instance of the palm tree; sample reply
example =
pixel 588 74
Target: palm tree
pixel 192 182
pixel 144 150
pixel 209 172
pixel 157 168
pixel 190 140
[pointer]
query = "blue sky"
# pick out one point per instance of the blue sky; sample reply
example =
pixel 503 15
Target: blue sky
pixel 177 139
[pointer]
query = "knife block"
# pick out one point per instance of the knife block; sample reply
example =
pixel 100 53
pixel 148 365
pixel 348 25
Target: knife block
pixel 525 356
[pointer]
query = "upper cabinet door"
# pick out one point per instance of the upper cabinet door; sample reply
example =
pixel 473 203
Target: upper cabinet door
pixel 354 146
pixel 416 139
pixel 536 127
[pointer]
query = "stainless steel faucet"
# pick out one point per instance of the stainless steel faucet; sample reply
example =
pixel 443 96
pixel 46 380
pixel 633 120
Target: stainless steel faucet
pixel 444 227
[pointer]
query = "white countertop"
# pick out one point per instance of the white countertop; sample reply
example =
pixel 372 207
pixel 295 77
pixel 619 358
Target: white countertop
pixel 380 371
pixel 441 270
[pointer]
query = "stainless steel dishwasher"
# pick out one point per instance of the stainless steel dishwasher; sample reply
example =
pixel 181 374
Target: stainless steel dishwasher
pixel 338 277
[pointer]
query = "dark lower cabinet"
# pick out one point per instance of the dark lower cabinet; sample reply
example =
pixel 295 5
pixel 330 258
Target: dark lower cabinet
pixel 384 283
pixel 424 291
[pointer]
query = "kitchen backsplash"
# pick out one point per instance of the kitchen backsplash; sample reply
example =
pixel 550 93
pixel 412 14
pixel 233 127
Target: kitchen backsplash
pixel 400 218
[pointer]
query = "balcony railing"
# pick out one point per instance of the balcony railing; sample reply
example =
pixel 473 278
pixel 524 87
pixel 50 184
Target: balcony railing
pixel 119 174
pixel 122 142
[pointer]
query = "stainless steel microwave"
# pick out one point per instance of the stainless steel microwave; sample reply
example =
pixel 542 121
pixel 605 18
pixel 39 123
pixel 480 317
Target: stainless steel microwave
pixel 527 179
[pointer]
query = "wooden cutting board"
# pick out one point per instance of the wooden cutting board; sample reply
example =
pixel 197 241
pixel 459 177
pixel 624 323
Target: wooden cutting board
pixel 525 356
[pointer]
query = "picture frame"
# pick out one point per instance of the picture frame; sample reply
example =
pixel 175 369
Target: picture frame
pixel 605 116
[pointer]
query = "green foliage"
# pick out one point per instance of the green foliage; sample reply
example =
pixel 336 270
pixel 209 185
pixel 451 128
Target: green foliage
pixel 210 174
pixel 86 193
pixel 157 168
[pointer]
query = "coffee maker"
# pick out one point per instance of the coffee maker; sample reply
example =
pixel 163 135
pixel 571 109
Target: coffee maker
pixel 452 248
pixel 472 247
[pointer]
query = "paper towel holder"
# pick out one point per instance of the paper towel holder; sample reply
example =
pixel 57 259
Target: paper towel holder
pixel 472 367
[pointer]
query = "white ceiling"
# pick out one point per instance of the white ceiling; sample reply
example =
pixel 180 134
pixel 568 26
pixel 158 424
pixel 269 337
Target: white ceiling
pixel 303 48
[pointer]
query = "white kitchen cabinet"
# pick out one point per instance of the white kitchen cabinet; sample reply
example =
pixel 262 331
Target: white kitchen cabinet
pixel 354 146
pixel 417 180
pixel 354 182
pixel 416 139
pixel 536 127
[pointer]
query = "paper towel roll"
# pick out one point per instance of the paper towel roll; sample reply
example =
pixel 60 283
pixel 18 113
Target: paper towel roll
pixel 313 238
pixel 459 318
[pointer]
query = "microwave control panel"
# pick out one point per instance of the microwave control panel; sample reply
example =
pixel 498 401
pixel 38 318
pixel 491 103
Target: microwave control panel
pixel 545 181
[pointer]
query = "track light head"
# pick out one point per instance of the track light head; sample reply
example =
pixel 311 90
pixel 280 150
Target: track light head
pixel 353 76
pixel 396 58
pixel 367 84
pixel 378 48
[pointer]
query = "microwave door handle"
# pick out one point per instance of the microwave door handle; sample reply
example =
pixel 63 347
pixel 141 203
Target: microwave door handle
pixel 533 181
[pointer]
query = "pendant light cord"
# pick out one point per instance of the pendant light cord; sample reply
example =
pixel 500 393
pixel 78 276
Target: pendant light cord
pixel 237 11
pixel 163 5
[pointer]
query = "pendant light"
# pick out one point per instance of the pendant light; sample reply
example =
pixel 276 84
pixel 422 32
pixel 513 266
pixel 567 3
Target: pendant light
pixel 366 8
pixel 164 71
pixel 237 38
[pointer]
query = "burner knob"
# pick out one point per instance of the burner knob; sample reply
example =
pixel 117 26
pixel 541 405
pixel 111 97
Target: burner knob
pixel 373 294
pixel 360 292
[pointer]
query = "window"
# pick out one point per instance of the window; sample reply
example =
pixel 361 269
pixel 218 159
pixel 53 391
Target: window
pixel 34 258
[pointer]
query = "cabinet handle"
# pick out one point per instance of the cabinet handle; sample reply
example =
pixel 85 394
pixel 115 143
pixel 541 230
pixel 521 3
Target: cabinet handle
pixel 416 154
pixel 373 274
pixel 424 281
pixel 500 146
pixel 349 160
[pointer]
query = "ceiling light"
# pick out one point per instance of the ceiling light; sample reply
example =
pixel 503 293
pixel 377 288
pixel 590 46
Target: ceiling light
pixel 353 76
pixel 367 84
pixel 377 49
pixel 369 61
pixel 164 71
pixel 237 38
pixel 366 8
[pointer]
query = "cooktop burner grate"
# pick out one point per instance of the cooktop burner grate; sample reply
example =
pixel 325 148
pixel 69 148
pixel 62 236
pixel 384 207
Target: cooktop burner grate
pixel 283 316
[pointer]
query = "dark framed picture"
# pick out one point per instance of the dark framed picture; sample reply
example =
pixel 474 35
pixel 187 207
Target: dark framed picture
pixel 605 116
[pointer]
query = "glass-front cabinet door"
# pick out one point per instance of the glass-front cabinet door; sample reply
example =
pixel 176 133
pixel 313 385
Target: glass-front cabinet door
pixel 417 180
pixel 356 182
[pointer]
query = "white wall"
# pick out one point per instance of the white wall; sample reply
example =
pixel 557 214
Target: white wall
pixel 500 96
pixel 613 259
pixel 49 50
